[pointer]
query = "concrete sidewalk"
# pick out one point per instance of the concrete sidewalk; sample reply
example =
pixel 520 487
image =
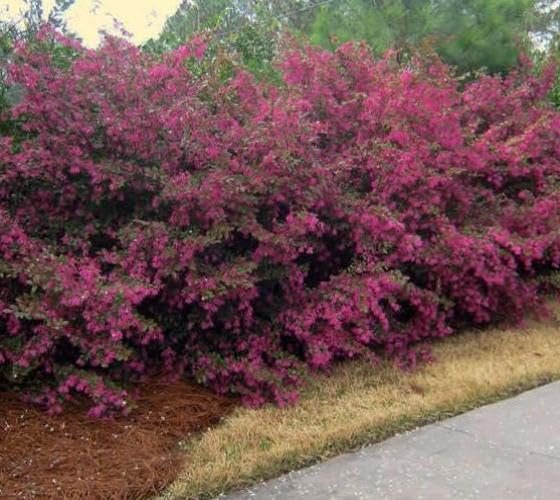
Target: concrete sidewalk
pixel 508 450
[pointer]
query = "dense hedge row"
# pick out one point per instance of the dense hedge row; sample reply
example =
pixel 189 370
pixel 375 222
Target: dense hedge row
pixel 155 220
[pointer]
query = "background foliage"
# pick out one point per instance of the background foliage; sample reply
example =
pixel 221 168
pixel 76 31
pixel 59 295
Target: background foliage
pixel 470 35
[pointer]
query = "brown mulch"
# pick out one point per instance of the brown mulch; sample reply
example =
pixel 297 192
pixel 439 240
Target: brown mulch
pixel 73 456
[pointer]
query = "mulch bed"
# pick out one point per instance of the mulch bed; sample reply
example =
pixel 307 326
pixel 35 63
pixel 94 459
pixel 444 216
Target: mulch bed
pixel 73 456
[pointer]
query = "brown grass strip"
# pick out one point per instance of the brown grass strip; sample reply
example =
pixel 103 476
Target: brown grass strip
pixel 71 456
pixel 358 404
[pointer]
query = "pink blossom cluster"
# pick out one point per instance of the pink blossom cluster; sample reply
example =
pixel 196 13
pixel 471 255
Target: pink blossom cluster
pixel 155 219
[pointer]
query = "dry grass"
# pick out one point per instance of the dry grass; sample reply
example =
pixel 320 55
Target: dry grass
pixel 358 405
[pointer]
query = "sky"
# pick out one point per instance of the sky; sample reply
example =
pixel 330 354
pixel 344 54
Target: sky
pixel 142 18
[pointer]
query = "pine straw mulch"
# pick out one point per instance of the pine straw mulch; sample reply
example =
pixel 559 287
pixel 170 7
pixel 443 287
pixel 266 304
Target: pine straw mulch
pixel 71 456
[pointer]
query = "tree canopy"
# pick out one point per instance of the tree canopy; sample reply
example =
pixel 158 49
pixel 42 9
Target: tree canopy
pixel 469 34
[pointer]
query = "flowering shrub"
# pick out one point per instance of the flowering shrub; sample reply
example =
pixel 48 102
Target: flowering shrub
pixel 156 220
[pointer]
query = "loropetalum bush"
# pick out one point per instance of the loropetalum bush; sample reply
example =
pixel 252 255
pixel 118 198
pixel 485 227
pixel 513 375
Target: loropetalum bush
pixel 156 221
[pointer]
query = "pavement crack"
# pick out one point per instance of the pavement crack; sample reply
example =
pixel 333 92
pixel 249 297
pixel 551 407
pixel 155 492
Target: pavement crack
pixel 496 444
pixel 455 429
